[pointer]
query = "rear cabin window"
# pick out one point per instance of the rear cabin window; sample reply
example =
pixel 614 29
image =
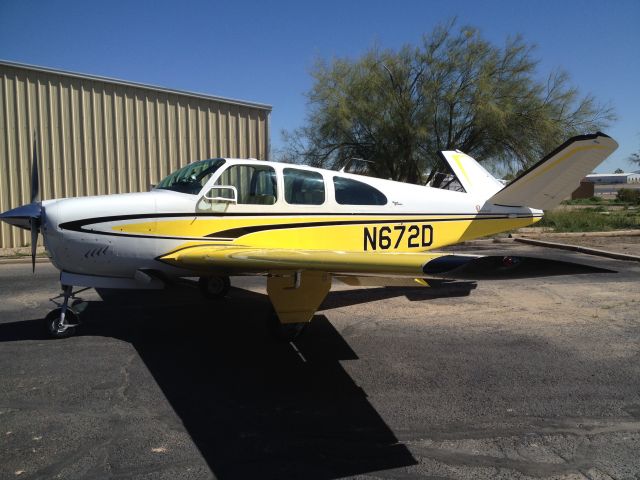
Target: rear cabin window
pixel 256 184
pixel 302 187
pixel 352 192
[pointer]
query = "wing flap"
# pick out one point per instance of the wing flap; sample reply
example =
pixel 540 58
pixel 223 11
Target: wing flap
pixel 378 281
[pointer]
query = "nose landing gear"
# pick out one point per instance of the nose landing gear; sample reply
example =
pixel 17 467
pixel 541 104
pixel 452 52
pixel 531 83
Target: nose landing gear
pixel 61 322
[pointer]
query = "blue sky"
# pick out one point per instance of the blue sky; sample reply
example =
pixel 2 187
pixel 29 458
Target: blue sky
pixel 263 51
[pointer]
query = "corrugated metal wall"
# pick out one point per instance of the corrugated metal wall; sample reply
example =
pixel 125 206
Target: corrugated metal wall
pixel 98 136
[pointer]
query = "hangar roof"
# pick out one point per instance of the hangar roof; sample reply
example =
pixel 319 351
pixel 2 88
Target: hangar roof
pixel 261 106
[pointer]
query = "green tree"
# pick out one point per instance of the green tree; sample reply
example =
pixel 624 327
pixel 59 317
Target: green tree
pixel 397 108
pixel 618 170
pixel 635 157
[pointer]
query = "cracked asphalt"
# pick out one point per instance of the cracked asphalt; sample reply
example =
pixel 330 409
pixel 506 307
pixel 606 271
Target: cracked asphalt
pixel 520 378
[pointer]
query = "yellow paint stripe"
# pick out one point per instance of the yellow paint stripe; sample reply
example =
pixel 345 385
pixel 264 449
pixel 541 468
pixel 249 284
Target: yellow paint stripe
pixel 456 158
pixel 202 226
pixel 349 238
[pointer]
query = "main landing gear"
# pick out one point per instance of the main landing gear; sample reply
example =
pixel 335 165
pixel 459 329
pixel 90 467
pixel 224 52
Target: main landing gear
pixel 284 332
pixel 61 322
pixel 214 287
pixel 295 297
pixel 297 317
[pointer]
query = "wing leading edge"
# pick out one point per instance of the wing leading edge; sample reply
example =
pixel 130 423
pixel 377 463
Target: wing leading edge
pixel 246 259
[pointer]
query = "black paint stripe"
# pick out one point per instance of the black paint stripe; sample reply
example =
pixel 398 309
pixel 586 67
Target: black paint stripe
pixel 228 235
pixel 240 231
pixel 142 216
pixel 78 227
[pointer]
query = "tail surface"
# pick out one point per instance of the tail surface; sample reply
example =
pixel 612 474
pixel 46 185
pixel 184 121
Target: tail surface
pixel 557 175
pixel 471 175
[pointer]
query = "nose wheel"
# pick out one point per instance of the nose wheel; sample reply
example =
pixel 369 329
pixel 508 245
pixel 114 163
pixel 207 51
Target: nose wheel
pixel 58 326
pixel 61 322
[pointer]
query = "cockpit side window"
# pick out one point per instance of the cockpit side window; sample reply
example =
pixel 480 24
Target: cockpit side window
pixel 192 178
pixel 352 192
pixel 256 184
pixel 303 187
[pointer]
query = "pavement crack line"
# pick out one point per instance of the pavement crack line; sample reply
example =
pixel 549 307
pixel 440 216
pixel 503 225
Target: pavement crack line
pixel 526 467
pixel 580 427
pixel 126 382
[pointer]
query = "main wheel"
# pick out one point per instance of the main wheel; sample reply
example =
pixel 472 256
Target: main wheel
pixel 214 287
pixel 285 332
pixel 52 323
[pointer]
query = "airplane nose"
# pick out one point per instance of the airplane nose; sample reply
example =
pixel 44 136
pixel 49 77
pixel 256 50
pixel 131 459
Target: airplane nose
pixel 28 217
pixel 22 216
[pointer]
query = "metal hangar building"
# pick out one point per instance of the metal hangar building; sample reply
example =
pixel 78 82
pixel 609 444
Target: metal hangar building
pixel 100 136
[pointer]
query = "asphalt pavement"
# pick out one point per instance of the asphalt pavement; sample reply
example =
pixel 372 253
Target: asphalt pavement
pixel 520 378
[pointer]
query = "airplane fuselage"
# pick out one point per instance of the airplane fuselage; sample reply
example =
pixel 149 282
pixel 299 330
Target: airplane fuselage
pixel 116 235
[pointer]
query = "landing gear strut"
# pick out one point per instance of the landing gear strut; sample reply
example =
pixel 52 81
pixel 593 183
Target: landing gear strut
pixel 295 297
pixel 214 287
pixel 61 322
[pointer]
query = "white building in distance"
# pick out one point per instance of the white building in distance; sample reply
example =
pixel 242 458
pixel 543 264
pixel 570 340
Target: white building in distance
pixel 610 178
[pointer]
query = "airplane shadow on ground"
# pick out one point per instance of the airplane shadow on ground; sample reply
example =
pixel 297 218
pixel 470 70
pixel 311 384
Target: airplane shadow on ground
pixel 253 407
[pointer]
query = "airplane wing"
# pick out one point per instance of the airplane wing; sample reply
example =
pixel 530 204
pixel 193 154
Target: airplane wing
pixel 248 259
pixel 233 259
pixel 299 280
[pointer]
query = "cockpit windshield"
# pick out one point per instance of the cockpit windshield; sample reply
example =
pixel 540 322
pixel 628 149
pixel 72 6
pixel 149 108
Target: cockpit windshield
pixel 191 179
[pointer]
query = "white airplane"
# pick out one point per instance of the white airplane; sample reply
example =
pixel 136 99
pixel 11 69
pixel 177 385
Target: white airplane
pixel 296 225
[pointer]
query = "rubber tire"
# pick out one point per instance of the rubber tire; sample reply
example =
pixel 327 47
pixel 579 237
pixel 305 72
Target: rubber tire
pixel 52 320
pixel 223 284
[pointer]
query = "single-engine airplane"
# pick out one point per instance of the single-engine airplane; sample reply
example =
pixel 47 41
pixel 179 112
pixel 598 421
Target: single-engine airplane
pixel 296 225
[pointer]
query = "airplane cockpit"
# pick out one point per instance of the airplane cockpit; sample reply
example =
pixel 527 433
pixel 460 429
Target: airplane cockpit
pixel 250 185
pixel 191 178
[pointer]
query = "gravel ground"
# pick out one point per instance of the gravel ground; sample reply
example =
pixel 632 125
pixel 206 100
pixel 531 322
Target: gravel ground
pixel 535 378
